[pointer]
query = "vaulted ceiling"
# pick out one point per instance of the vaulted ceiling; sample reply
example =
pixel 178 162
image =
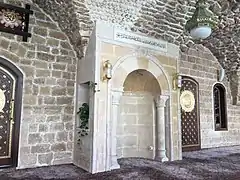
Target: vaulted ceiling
pixel 225 40
pixel 163 19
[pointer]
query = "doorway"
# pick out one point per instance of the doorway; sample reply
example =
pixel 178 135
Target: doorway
pixel 190 117
pixel 11 83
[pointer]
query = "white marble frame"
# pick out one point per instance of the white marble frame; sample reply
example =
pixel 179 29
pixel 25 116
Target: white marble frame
pixel 116 92
pixel 105 32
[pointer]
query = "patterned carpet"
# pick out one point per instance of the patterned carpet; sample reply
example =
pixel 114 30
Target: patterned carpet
pixel 211 164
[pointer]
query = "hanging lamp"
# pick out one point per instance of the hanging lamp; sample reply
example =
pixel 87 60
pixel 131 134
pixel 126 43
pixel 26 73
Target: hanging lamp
pixel 203 21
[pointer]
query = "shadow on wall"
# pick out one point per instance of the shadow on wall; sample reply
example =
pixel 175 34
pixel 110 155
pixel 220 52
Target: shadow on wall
pixel 136 127
pixel 66 14
pixel 234 86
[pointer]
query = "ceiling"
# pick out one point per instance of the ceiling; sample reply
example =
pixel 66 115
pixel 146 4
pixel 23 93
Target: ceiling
pixel 224 42
pixel 163 19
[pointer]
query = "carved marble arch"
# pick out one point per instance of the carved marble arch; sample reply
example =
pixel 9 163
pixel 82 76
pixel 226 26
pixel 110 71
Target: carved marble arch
pixel 128 64
pixel 123 67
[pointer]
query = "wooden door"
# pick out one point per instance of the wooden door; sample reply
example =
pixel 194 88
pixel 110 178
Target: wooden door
pixel 190 120
pixel 10 107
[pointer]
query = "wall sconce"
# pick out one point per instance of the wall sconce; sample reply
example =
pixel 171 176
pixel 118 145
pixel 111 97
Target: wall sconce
pixel 221 74
pixel 107 69
pixel 177 81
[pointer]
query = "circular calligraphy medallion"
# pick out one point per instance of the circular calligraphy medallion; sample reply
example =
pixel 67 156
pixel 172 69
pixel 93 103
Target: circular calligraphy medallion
pixel 187 101
pixel 10 18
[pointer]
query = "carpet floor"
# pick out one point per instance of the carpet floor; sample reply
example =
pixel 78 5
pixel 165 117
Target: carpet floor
pixel 210 164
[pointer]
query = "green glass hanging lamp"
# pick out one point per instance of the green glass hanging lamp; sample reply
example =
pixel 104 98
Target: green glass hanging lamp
pixel 203 21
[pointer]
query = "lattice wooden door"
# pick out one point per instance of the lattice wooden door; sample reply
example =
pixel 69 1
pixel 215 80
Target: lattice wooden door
pixel 7 90
pixel 10 112
pixel 190 120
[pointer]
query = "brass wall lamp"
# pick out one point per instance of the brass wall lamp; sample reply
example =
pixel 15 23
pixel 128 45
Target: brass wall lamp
pixel 177 81
pixel 107 70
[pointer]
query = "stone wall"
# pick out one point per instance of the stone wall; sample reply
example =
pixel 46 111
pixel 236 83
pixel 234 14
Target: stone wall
pixel 48 62
pixel 199 63
pixel 137 115
pixel 136 119
pixel 64 12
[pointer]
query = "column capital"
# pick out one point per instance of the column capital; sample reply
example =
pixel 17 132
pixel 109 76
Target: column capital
pixel 116 96
pixel 161 100
pixel 117 90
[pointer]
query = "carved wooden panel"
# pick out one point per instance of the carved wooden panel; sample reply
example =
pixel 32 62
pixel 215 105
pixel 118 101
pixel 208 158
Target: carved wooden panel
pixel 7 89
pixel 190 121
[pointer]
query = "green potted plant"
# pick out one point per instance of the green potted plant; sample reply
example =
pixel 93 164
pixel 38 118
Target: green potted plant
pixel 83 114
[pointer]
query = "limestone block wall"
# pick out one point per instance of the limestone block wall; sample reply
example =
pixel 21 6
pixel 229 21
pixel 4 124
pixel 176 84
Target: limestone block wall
pixel 48 63
pixel 136 125
pixel 199 63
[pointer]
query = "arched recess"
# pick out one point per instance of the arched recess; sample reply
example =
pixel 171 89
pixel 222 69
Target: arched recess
pixel 138 116
pixel 121 70
pixel 141 80
pixel 11 79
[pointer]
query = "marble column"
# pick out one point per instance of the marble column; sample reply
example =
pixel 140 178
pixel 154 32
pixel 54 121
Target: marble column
pixel 161 140
pixel 116 96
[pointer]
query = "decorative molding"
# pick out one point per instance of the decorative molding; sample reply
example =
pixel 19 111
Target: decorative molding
pixel 116 96
pixel 117 90
pixel 139 40
pixel 116 99
pixel 161 100
pixel 109 33
pixel 139 52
